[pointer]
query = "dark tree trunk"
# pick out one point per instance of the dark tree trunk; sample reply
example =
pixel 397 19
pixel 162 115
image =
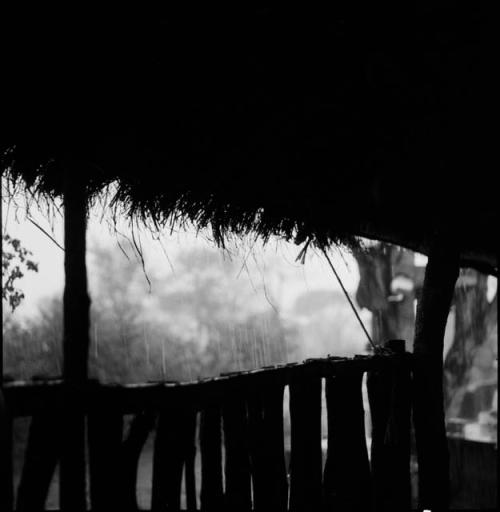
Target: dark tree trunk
pixel 75 343
pixel 430 433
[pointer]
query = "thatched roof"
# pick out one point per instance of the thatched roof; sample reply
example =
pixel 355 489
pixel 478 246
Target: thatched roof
pixel 306 123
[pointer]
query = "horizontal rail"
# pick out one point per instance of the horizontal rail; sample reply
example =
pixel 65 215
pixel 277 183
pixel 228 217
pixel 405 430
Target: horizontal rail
pixel 23 398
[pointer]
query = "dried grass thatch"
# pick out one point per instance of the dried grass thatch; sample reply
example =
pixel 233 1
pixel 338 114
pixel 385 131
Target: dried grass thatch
pixel 311 124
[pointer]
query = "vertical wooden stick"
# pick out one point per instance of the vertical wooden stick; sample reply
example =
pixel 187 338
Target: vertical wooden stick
pixel 430 432
pixel 6 483
pixel 105 432
pixel 189 463
pixel 40 461
pixel 267 450
pixel 306 455
pixel 346 481
pixel 389 396
pixel 132 446
pixel 237 463
pixel 211 459
pixel 6 470
pixel 174 445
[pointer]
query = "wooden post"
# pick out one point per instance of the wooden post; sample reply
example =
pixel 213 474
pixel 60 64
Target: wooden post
pixel 275 447
pixel 6 483
pixel 267 451
pixel 105 433
pixel 389 396
pixel 428 407
pixel 212 493
pixel 346 480
pixel 174 444
pixel 132 446
pixel 40 461
pixel 76 307
pixel 237 461
pixel 6 472
pixel 306 454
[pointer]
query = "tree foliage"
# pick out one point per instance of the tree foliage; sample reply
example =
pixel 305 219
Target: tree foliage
pixel 16 260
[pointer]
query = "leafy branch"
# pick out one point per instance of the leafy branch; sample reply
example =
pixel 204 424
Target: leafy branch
pixel 16 260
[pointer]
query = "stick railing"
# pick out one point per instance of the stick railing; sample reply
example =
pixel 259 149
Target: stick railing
pixel 240 438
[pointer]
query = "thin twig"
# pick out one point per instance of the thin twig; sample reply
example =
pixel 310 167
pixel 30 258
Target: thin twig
pixel 45 233
pixel 349 299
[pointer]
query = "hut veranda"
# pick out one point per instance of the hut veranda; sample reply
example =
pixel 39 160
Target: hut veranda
pixel 314 125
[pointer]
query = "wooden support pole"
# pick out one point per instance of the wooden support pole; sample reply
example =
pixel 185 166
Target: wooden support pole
pixel 6 479
pixel 76 298
pixel 428 407
pixel 76 304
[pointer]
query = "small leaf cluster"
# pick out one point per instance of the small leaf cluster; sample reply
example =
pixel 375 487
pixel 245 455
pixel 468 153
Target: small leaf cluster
pixel 16 260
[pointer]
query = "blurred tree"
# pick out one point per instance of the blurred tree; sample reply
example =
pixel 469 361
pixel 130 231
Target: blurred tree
pixel 200 322
pixel 32 348
pixel 225 314
pixel 115 287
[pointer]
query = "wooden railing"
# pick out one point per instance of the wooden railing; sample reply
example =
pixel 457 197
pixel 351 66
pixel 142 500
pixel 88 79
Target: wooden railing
pixel 240 438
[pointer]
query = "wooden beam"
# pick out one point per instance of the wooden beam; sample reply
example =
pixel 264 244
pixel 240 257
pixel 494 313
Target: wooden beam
pixel 23 398
pixel 428 408
pixel 76 304
pixel 6 462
